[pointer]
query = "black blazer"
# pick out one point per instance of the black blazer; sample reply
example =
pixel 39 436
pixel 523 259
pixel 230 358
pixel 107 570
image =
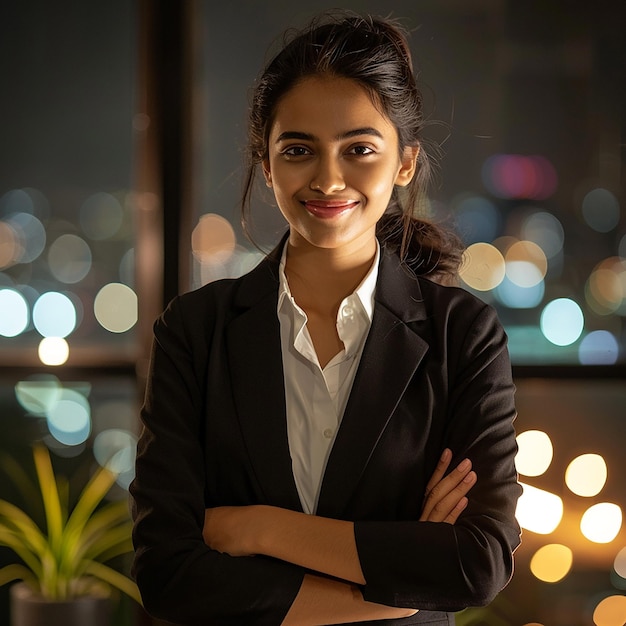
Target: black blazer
pixel 434 373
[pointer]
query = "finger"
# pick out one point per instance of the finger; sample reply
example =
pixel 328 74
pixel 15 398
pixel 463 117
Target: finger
pixel 440 470
pixel 452 503
pixel 445 486
pixel 456 511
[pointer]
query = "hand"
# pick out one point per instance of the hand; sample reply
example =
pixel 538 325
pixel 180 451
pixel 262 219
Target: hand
pixel 446 497
pixel 229 529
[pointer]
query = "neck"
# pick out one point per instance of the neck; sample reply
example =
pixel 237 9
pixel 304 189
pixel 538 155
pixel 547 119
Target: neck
pixel 320 278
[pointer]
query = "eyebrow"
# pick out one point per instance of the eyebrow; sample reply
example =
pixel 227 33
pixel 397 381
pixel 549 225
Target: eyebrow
pixel 357 132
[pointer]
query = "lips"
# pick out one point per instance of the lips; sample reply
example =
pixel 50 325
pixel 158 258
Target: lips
pixel 326 209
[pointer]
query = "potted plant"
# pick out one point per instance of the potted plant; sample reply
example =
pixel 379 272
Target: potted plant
pixel 64 576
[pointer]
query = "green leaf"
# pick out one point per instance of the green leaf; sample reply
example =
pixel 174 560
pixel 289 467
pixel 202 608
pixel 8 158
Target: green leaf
pixel 115 579
pixel 15 542
pixel 15 520
pixel 18 572
pixel 50 494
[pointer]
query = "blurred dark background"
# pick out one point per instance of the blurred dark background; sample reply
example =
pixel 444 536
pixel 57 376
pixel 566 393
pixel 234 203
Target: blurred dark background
pixel 121 129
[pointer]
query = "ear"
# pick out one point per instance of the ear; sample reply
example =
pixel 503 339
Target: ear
pixel 267 174
pixel 408 165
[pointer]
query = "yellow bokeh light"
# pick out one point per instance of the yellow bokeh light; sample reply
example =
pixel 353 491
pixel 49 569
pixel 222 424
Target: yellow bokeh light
pixel 538 511
pixel 534 453
pixel 212 237
pixel 586 475
pixel 610 612
pixel 115 307
pixel 10 249
pixel 605 290
pixel 483 267
pixel 601 522
pixel 53 351
pixel 551 563
pixel 526 252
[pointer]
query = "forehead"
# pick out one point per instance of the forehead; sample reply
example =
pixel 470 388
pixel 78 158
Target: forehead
pixel 328 105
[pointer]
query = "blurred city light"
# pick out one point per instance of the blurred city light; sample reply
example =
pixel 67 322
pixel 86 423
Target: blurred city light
pixel 562 321
pixel 586 475
pixel 534 453
pixel 552 562
pixel 601 522
pixel 538 511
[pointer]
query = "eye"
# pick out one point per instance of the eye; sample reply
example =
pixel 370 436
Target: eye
pixel 296 151
pixel 361 150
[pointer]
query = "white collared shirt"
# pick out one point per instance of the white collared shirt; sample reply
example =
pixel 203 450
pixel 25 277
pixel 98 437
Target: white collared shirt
pixel 316 398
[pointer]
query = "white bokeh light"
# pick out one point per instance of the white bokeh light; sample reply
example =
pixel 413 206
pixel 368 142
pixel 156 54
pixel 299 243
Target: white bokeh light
pixel 562 322
pixel 13 313
pixel 54 315
pixel 115 307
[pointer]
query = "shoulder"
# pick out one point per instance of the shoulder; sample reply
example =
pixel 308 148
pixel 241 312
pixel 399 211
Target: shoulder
pixel 415 297
pixel 223 299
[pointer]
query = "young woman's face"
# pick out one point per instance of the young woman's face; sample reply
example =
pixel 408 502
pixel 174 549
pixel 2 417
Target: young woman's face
pixel 333 160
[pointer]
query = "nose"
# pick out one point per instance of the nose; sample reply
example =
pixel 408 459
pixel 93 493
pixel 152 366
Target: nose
pixel 328 176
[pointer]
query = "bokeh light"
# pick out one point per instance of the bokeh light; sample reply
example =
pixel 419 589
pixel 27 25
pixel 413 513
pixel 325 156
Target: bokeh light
pixel 115 307
pixel 518 176
pixel 38 394
pixel 619 565
pixel 212 237
pixel 53 351
pixel 538 511
pixel 534 453
pixel 599 347
pixel 101 216
pixel 69 258
pixel 601 210
pixel 10 249
pixel 601 522
pixel 526 263
pixel 54 315
pixel 14 317
pixel 513 296
pixel 483 267
pixel 605 290
pixel 546 231
pixel 552 562
pixel 69 420
pixel 31 235
pixel 610 611
pixel 586 475
pixel 115 448
pixel 562 321
pixel 477 218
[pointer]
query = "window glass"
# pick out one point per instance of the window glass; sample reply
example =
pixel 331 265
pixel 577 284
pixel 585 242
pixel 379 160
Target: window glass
pixel 66 227
pixel 523 101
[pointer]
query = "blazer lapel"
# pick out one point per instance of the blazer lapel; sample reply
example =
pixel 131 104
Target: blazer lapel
pixel 390 358
pixel 255 359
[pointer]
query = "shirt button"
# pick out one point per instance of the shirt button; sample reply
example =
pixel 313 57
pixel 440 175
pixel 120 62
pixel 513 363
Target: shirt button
pixel 328 433
pixel 347 311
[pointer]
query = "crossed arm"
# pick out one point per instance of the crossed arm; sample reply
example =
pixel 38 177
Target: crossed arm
pixel 327 547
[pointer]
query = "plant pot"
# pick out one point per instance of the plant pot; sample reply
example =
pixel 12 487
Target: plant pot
pixel 30 609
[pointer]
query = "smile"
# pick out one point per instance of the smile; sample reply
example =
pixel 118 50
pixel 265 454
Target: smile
pixel 326 209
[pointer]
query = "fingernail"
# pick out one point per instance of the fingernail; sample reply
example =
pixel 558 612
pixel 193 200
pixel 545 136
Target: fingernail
pixel 446 454
pixel 470 478
pixel 464 465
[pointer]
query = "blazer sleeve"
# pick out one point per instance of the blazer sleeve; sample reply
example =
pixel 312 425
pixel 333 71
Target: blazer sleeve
pixel 438 566
pixel 181 580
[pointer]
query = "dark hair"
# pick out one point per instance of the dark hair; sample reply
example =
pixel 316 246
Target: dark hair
pixel 373 52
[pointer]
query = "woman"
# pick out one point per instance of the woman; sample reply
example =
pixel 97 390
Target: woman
pixel 299 421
